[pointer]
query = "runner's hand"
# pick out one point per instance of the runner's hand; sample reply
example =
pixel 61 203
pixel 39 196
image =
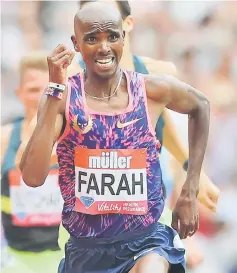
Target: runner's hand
pixel 58 62
pixel 208 193
pixel 185 218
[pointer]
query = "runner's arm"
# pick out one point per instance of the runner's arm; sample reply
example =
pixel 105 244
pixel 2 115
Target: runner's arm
pixel 169 92
pixel 6 131
pixel 35 161
pixel 72 70
pixel 182 98
pixel 171 140
pixel 208 192
pixel 36 158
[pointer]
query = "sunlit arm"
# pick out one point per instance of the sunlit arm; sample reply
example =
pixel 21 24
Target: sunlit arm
pixel 183 98
pixel 36 159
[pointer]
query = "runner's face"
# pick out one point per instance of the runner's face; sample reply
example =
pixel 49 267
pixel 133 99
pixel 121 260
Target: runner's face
pixel 100 41
pixel 33 83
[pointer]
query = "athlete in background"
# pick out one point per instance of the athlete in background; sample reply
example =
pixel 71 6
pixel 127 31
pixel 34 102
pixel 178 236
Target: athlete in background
pixel 30 217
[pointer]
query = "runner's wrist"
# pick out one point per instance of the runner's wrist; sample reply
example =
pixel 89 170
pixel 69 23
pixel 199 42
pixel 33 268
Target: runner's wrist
pixel 52 103
pixel 55 90
pixel 61 79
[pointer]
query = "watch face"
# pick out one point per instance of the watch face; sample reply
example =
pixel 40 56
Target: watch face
pixel 53 85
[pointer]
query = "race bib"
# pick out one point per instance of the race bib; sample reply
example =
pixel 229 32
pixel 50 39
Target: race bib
pixel 111 181
pixel 41 206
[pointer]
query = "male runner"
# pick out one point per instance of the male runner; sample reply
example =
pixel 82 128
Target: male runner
pixel 30 217
pixel 165 129
pixel 107 152
pixel 208 193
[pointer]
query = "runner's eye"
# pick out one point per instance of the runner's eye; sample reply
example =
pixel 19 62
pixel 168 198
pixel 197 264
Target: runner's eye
pixel 91 39
pixel 113 37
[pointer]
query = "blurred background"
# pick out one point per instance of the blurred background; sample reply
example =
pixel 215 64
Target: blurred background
pixel 200 38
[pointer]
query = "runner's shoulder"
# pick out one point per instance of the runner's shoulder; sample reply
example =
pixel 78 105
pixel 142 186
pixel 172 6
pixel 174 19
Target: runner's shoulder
pixel 6 131
pixel 159 67
pixel 158 86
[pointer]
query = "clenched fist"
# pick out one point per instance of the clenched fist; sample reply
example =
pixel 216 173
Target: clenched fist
pixel 58 63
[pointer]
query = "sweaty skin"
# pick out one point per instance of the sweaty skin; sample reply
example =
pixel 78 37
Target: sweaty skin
pixel 162 91
pixel 171 140
pixel 208 192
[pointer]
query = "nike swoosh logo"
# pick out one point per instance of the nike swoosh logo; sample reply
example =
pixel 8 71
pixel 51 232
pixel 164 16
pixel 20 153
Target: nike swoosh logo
pixel 125 124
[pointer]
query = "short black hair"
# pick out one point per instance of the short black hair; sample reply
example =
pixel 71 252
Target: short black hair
pixel 124 6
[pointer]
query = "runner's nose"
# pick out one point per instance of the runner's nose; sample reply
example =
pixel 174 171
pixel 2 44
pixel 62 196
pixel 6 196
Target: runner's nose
pixel 104 48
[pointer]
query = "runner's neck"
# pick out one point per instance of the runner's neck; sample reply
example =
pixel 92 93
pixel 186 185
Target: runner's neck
pixel 96 87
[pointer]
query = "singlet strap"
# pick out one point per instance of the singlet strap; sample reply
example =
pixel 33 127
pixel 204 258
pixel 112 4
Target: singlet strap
pixel 139 65
pixel 13 146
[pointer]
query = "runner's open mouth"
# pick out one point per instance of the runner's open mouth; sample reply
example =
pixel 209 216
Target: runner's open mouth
pixel 105 63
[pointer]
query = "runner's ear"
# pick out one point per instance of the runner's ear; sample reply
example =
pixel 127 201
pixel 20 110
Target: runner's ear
pixel 74 41
pixel 128 23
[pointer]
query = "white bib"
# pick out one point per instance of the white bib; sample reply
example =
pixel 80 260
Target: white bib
pixel 111 181
pixel 41 206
